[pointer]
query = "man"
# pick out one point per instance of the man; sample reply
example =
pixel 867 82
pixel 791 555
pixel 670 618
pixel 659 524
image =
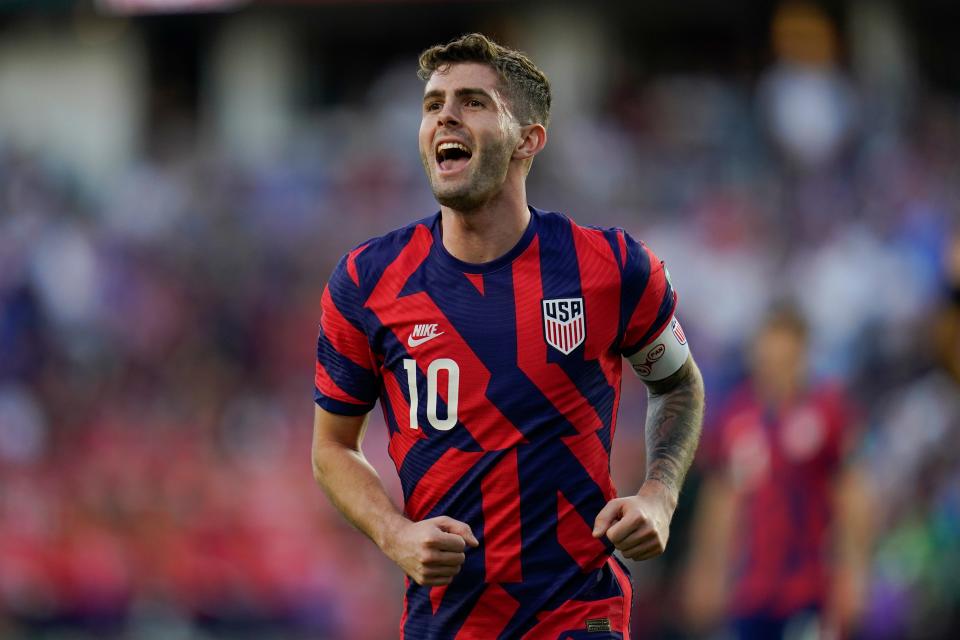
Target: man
pixel 492 334
pixel 781 538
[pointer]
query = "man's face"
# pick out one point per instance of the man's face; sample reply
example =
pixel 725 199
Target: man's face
pixel 780 360
pixel 467 135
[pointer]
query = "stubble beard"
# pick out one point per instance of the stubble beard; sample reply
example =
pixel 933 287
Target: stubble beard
pixel 485 179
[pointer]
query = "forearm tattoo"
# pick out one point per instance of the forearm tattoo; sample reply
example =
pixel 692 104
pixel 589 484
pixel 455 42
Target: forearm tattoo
pixel 674 419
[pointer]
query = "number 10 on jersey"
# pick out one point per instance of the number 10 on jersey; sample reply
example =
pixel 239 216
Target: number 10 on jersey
pixel 453 392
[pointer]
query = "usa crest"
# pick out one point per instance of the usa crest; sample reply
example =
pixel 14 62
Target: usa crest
pixel 564 327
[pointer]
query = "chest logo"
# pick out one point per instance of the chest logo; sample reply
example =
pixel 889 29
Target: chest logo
pixel 422 333
pixel 564 328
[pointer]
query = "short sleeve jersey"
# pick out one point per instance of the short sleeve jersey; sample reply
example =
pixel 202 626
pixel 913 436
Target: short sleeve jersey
pixel 783 465
pixel 499 384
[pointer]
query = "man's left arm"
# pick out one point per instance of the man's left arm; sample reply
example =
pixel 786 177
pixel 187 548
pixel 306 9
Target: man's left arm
pixel 639 525
pixel 853 508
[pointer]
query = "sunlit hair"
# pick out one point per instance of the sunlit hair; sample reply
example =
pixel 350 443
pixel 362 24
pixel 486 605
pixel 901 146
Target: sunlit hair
pixel 526 86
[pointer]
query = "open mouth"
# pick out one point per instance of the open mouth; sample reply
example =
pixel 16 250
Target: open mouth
pixel 452 156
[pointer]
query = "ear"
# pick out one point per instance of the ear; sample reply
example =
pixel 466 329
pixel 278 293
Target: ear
pixel 533 137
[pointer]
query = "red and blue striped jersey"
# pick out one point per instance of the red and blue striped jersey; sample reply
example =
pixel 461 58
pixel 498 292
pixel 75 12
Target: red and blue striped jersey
pixel 783 465
pixel 499 384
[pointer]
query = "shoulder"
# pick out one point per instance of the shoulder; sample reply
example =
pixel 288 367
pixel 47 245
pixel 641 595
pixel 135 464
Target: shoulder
pixel 633 255
pixel 737 417
pixel 741 399
pixel 365 263
pixel 608 243
pixel 392 241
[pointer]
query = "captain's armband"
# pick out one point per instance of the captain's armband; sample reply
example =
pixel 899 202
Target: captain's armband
pixel 664 356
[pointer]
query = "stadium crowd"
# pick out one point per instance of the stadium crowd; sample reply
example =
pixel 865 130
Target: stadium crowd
pixel 157 339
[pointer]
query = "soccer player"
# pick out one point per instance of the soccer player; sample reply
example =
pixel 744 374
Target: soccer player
pixel 781 543
pixel 492 334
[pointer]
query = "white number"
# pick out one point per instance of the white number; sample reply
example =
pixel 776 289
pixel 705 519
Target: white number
pixel 411 367
pixel 453 392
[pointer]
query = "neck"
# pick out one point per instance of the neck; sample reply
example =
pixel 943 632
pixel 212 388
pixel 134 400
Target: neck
pixel 489 231
pixel 778 396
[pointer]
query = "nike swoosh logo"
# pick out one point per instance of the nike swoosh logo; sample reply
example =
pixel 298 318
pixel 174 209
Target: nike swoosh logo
pixel 416 342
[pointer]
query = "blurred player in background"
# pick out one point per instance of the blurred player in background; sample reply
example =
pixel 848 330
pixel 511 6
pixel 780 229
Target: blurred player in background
pixel 781 536
pixel 492 334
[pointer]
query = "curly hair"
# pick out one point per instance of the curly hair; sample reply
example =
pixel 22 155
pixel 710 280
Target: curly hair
pixel 526 86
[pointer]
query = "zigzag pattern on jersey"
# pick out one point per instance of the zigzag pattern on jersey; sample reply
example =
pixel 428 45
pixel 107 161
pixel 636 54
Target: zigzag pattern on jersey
pixel 527 463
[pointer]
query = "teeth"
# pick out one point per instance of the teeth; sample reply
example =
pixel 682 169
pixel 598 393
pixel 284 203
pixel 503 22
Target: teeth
pixel 443 146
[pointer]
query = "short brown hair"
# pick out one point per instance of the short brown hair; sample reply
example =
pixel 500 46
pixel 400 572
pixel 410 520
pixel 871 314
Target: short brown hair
pixel 526 86
pixel 787 316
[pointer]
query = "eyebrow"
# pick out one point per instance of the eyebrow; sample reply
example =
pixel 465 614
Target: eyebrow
pixel 459 93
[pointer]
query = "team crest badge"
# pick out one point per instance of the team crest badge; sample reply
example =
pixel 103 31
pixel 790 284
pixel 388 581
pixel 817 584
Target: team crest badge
pixel 564 328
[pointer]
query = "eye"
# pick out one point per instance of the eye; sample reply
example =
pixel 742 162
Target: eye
pixel 473 102
pixel 431 106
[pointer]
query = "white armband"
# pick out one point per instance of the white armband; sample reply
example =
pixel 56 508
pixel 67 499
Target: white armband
pixel 664 356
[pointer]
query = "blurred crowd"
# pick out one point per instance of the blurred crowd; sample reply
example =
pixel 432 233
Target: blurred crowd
pixel 157 337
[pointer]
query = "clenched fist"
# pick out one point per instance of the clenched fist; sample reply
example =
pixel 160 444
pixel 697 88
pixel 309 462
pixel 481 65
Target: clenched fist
pixel 431 551
pixel 639 525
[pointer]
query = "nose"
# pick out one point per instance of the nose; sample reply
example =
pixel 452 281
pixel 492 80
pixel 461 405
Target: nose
pixel 448 117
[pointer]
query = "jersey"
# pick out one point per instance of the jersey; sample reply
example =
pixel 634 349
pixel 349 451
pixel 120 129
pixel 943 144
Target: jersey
pixel 783 466
pixel 499 384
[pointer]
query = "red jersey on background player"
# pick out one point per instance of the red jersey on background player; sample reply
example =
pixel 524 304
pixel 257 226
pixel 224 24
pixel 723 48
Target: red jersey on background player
pixel 781 539
pixel 492 334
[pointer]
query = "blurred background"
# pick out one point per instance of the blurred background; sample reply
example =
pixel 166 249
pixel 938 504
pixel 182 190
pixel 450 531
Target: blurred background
pixel 178 178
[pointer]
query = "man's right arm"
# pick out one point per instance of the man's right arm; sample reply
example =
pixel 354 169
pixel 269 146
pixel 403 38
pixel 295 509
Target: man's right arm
pixel 431 552
pixel 706 582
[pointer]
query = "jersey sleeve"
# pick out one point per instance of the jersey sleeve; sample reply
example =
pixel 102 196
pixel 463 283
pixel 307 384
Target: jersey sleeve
pixel 347 376
pixel 648 299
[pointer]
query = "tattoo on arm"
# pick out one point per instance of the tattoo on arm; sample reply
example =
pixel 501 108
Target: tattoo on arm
pixel 674 419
